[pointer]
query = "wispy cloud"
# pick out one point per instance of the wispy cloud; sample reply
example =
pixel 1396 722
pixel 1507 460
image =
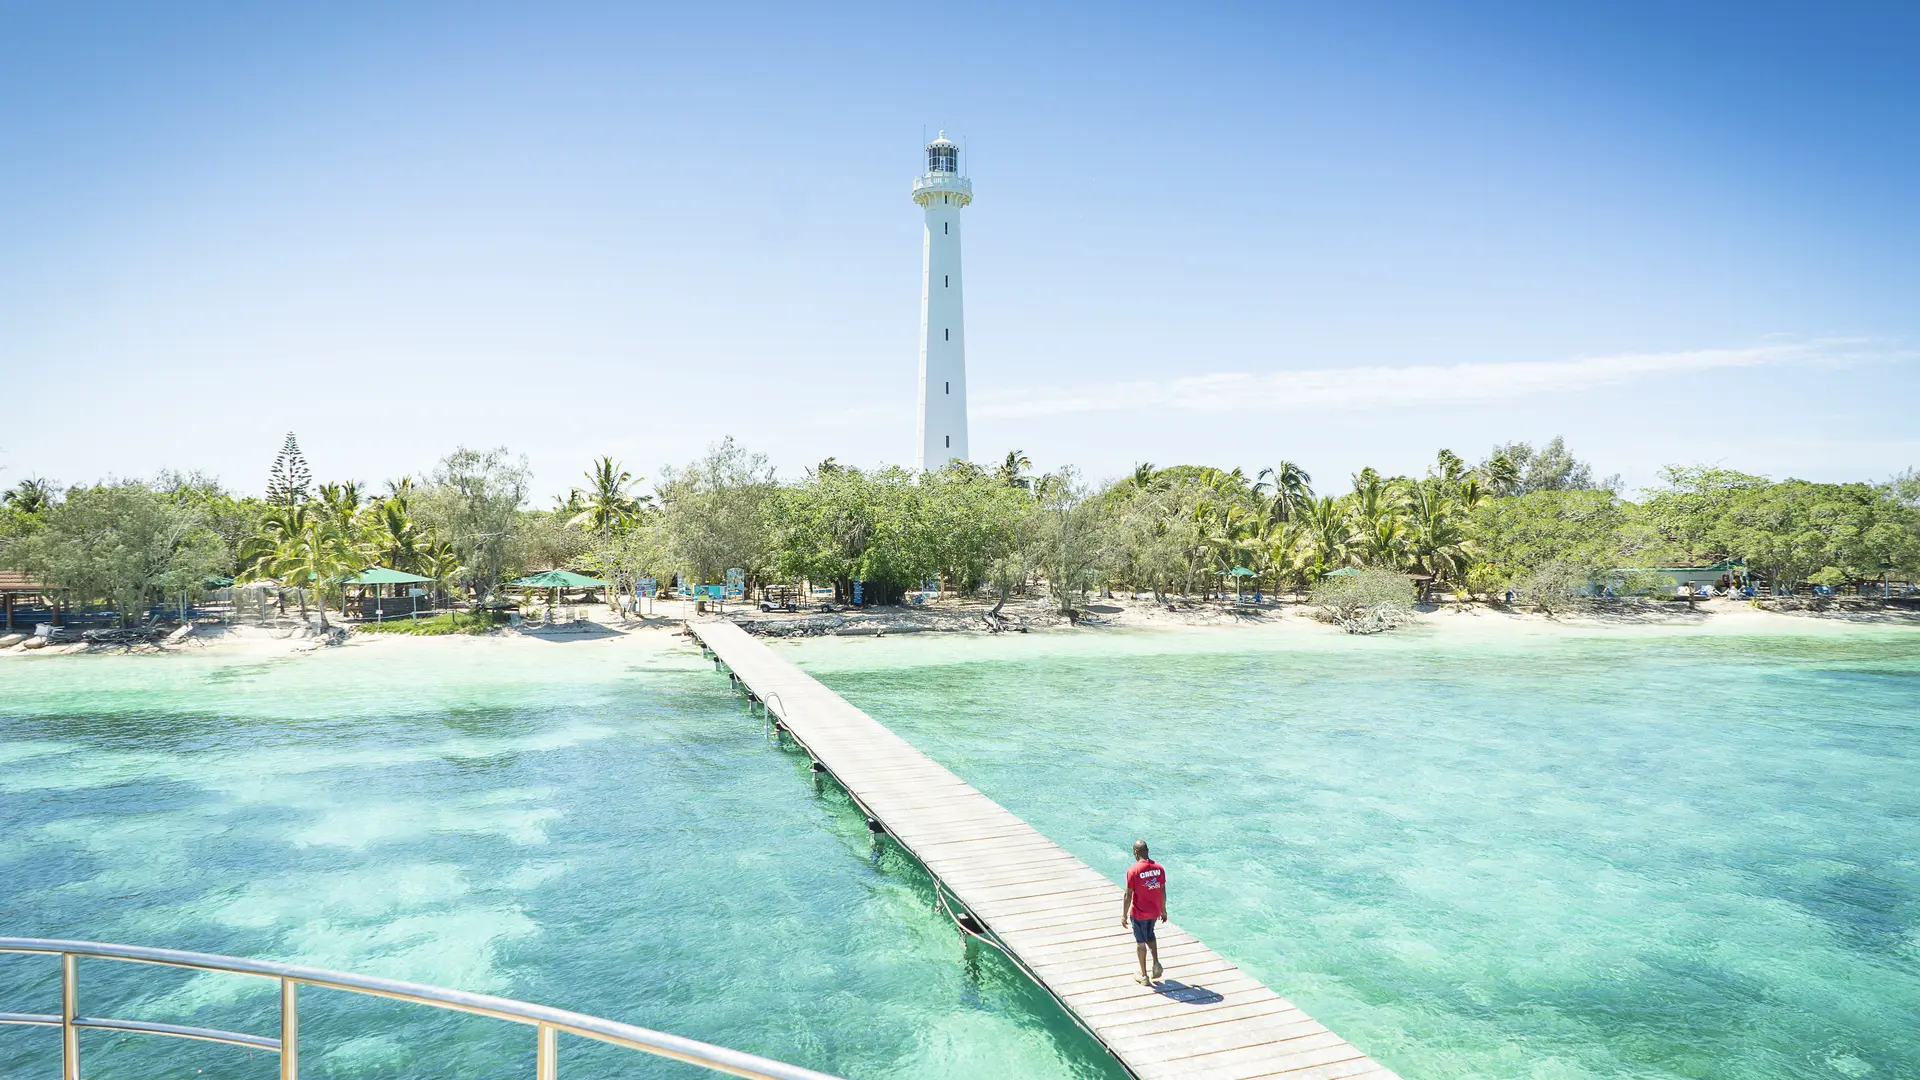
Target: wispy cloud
pixel 1418 384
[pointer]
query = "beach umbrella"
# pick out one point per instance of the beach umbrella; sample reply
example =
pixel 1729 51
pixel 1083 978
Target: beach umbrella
pixel 380 575
pixel 557 580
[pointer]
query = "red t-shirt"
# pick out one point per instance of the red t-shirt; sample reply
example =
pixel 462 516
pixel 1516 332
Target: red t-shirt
pixel 1147 881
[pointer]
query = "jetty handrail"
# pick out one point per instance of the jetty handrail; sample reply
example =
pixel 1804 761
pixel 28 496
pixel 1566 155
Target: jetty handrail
pixel 547 1021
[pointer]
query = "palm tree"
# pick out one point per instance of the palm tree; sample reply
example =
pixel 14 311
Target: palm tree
pixel 1231 483
pixel 303 546
pixel 1144 477
pixel 1291 488
pixel 1436 542
pixel 33 495
pixel 392 537
pixel 1228 535
pixel 441 563
pixel 1013 470
pixel 606 505
pixel 320 555
pixel 1470 492
pixel 1328 533
pixel 1374 500
pixel 257 551
pixel 341 503
pixel 1378 508
pixel 1274 547
pixel 1500 474
pixel 1227 484
pixel 1382 541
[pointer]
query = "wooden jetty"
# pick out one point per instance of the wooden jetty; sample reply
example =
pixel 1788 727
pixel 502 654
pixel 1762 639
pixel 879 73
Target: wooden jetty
pixel 1056 917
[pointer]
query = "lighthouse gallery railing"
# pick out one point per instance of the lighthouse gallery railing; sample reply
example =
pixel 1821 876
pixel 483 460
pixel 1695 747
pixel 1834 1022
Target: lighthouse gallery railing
pixel 548 1023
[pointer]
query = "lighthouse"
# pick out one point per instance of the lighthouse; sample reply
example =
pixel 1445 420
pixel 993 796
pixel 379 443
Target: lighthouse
pixel 942 193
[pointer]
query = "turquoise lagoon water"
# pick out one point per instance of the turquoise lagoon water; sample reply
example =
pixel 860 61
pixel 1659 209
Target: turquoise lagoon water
pixel 602 830
pixel 1625 854
pixel 1629 854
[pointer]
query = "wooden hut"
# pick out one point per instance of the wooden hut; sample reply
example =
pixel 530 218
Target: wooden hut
pixel 15 587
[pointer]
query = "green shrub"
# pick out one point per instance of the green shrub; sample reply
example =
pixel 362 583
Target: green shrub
pixel 1482 579
pixel 1555 587
pixel 452 622
pixel 1365 603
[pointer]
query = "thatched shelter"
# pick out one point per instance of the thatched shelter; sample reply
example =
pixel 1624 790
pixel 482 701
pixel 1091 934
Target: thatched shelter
pixel 15 586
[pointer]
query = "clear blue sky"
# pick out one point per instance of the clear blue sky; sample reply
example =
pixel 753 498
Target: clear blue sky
pixel 1340 234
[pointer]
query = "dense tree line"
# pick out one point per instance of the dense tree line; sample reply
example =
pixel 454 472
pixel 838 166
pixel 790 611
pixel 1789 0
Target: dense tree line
pixel 1525 518
pixel 1531 519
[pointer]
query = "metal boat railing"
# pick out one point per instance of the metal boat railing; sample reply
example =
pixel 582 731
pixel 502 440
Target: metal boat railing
pixel 547 1022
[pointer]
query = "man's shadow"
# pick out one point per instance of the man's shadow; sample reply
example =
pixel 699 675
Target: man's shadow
pixel 1175 990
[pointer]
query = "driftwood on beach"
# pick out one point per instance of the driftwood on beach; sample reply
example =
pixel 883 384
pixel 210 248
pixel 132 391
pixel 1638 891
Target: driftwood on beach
pixel 1000 624
pixel 127 635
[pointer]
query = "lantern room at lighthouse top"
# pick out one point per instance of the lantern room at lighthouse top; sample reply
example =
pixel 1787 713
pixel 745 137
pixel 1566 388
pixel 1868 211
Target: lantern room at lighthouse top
pixel 942 181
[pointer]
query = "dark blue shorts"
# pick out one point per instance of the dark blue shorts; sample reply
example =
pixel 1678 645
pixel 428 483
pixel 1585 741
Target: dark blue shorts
pixel 1143 930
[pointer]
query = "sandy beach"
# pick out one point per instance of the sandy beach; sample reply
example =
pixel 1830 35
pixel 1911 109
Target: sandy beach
pixel 602 629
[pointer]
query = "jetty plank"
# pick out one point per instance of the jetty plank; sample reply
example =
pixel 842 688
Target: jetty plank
pixel 1057 917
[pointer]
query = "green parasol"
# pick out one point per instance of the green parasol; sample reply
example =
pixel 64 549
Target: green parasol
pixel 558 579
pixel 380 575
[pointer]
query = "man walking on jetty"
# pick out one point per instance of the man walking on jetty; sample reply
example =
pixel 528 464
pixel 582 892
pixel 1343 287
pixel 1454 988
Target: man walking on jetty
pixel 1144 904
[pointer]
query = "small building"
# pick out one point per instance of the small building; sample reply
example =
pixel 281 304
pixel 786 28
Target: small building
pixel 18 592
pixel 1731 572
pixel 394 603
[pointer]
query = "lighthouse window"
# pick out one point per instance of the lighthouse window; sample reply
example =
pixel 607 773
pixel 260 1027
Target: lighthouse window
pixel 946 335
pixel 949 442
pixel 943 228
pixel 946 281
pixel 941 158
pixel 949 388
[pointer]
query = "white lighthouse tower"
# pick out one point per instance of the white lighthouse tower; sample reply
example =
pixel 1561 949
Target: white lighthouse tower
pixel 942 192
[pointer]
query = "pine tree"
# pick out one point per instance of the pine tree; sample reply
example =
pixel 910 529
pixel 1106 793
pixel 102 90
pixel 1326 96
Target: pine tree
pixel 287 483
